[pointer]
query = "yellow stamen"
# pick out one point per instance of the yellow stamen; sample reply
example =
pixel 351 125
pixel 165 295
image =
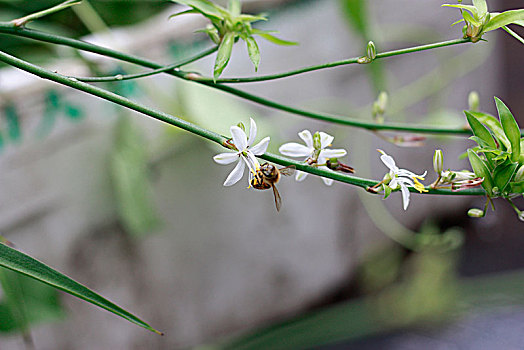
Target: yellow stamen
pixel 418 186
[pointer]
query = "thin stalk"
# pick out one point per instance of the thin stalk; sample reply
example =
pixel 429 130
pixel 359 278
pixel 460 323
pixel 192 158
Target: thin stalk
pixel 8 28
pixel 31 17
pixel 195 129
pixel 164 69
pixel 336 63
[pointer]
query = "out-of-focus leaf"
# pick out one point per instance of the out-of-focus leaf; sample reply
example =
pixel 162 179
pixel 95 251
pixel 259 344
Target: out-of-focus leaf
pixel 503 19
pixel 26 300
pixel 511 128
pixel 234 7
pixel 516 187
pixel 223 54
pixel 183 13
pixel 251 18
pixel 480 130
pixel 254 52
pixel 503 174
pixel 469 8
pixel 470 19
pixel 130 178
pixel 13 123
pixel 19 262
pixel 481 170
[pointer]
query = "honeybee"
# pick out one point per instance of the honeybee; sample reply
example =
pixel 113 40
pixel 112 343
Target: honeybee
pixel 267 176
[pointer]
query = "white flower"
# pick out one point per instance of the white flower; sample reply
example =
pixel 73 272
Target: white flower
pixel 402 178
pixel 319 154
pixel 245 154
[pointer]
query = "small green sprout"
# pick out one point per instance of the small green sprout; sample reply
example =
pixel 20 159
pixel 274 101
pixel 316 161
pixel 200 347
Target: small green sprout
pixel 227 26
pixel 479 21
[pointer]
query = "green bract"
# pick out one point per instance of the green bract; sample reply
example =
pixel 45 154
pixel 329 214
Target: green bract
pixel 499 153
pixel 479 21
pixel 227 26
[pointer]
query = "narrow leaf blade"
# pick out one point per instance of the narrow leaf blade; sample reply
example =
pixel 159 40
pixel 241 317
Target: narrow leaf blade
pixel 223 54
pixel 504 19
pixel 511 128
pixel 253 51
pixel 503 174
pixel 17 261
pixel 480 130
pixel 273 39
pixel 481 170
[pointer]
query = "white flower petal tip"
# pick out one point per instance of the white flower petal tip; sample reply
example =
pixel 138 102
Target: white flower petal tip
pixel 225 158
pixel 236 174
pixel 261 147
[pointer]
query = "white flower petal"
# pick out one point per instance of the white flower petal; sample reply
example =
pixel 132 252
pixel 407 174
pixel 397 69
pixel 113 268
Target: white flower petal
pixel 293 149
pixel 325 140
pixel 333 153
pixel 405 196
pixel 225 158
pixel 389 162
pixel 239 138
pixel 327 181
pixel 261 147
pixel 236 174
pixel 252 132
pixel 305 135
pixel 300 175
pixel 251 162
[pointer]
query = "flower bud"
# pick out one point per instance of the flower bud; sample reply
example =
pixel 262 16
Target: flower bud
pixel 476 213
pixel 316 141
pixel 371 51
pixel 438 161
pixel 241 126
pixel 382 102
pixel 473 101
pixel 519 176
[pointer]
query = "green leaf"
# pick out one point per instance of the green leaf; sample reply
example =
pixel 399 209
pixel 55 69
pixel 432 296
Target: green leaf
pixel 511 128
pixel 205 7
pixel 130 179
pixel 516 187
pixel 223 54
pixel 470 19
pixel 480 130
pixel 481 170
pixel 469 8
pixel 481 6
pixel 19 262
pixel 272 38
pixel 503 19
pixel 183 13
pixel 503 175
pixel 251 18
pixel 254 52
pixel 494 124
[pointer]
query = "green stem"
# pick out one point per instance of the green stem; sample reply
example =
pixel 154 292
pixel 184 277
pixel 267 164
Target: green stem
pixel 336 63
pixel 26 19
pixel 212 136
pixel 151 72
pixel 9 28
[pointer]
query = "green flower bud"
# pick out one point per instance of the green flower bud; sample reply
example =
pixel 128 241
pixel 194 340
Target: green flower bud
pixel 438 161
pixel 473 101
pixel 316 141
pixel 476 213
pixel 519 175
pixel 241 126
pixel 382 102
pixel 371 51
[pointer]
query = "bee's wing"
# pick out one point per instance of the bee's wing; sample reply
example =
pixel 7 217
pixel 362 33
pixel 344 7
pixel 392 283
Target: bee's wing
pixel 288 171
pixel 278 199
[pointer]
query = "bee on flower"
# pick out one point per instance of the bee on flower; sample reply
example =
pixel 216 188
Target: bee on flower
pixel 244 154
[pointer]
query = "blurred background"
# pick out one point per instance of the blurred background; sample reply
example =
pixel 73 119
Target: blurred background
pixel 136 210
